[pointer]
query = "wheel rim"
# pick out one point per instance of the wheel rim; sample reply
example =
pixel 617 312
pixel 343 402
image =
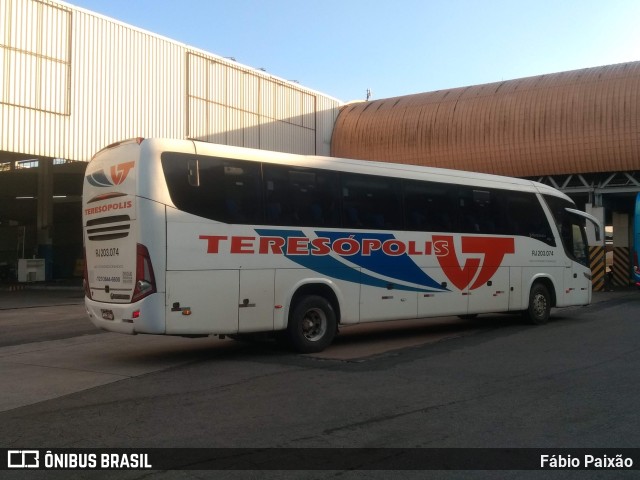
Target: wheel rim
pixel 539 305
pixel 314 324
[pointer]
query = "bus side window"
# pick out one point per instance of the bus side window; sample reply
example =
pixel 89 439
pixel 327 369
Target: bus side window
pixel 430 207
pixel 300 197
pixel 524 216
pixel 324 207
pixel 369 201
pixel 229 190
pixel 486 206
pixel 215 188
pixel 477 211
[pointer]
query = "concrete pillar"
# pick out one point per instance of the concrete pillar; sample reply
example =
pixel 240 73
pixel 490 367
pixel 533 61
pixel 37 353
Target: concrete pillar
pixel 620 230
pixel 45 214
pixel 621 252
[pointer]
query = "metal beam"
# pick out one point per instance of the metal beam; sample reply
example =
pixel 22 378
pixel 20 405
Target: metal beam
pixel 631 179
pixel 600 184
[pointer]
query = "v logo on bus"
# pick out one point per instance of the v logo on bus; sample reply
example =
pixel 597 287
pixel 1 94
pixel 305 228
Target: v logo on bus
pixel 119 172
pixel 492 249
pixel 118 175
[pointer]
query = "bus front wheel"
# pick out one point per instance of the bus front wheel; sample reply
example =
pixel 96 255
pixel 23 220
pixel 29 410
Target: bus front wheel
pixel 539 308
pixel 312 324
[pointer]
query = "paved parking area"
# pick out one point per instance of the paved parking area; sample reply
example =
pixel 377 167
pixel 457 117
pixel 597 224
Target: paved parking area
pixel 85 357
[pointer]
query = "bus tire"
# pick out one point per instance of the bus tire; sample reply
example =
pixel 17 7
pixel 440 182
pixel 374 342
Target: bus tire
pixel 539 308
pixel 312 324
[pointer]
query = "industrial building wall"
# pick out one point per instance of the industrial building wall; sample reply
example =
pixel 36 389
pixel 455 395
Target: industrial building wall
pixel 72 82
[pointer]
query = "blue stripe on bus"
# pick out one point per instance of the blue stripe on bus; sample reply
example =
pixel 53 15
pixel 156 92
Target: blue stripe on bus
pixel 99 179
pixel 331 267
pixel 402 266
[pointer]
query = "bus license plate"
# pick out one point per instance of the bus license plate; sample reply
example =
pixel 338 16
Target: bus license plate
pixel 107 314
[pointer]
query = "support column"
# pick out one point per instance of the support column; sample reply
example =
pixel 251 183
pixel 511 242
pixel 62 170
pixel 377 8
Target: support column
pixel 45 214
pixel 597 259
pixel 621 253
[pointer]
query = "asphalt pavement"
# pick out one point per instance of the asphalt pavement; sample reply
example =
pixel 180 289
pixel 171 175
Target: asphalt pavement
pixel 569 383
pixel 28 296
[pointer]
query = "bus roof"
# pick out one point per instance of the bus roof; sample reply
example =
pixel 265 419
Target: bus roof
pixel 370 167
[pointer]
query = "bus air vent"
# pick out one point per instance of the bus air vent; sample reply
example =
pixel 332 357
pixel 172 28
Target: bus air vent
pixel 109 228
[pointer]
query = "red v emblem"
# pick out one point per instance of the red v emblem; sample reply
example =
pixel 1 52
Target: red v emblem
pixel 119 172
pixel 459 276
pixel 492 249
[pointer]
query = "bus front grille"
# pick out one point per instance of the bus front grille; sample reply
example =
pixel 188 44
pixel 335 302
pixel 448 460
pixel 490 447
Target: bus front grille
pixel 109 228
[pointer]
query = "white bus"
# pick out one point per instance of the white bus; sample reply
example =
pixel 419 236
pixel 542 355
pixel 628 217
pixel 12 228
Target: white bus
pixel 189 238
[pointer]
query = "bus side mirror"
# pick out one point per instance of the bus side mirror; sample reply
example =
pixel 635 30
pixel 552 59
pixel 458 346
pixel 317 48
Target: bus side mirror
pixel 193 172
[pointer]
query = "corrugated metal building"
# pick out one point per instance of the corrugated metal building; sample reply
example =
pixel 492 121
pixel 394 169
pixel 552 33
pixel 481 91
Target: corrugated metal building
pixel 565 123
pixel 73 81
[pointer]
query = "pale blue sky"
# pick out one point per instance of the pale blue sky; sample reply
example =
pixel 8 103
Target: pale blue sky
pixel 343 47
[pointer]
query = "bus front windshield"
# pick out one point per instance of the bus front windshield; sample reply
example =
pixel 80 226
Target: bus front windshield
pixel 571 228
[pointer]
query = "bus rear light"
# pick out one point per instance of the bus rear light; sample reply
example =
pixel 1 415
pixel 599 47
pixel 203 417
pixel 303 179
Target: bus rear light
pixel 135 315
pixel 145 279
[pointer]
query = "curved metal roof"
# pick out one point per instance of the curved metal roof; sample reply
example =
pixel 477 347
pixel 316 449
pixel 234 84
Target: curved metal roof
pixel 580 121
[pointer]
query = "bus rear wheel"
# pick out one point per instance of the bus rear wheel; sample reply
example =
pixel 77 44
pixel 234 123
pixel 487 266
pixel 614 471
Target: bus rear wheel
pixel 539 308
pixel 312 324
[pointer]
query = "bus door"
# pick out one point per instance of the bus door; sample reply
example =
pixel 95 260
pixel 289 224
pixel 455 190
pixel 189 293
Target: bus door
pixel 571 223
pixel 577 277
